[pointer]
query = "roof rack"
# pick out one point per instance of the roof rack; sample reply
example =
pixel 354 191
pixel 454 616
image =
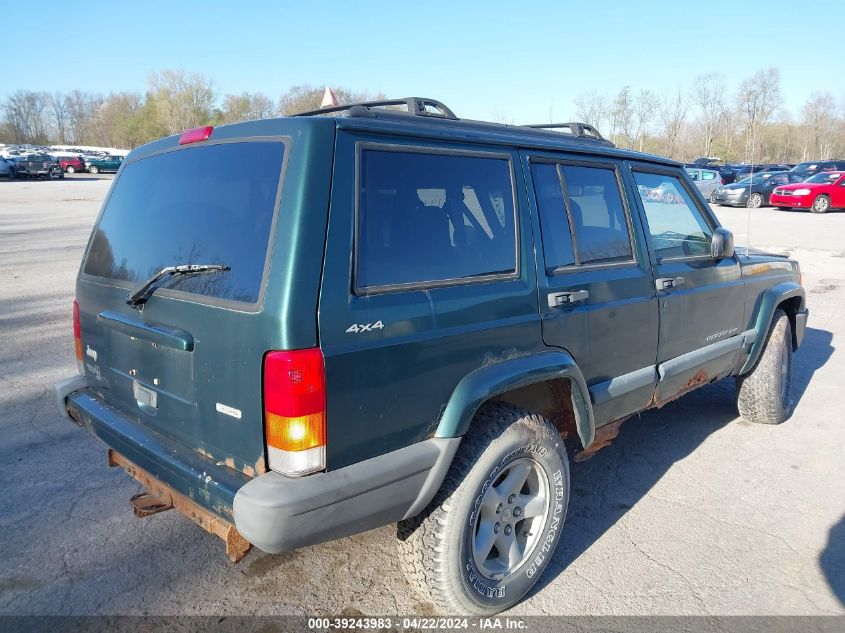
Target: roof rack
pixel 417 106
pixel 579 130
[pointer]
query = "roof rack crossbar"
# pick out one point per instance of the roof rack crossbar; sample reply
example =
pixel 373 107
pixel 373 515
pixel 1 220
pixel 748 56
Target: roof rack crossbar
pixel 417 106
pixel 581 130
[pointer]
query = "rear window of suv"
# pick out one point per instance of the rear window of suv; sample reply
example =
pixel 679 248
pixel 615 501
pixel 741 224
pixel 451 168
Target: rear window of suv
pixel 427 219
pixel 213 204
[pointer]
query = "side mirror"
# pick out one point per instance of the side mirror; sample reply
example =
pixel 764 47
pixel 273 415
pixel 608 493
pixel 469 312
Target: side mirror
pixel 722 244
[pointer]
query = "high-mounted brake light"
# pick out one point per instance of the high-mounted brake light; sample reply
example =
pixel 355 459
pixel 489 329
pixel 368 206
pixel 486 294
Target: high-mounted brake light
pixel 295 411
pixel 196 134
pixel 77 338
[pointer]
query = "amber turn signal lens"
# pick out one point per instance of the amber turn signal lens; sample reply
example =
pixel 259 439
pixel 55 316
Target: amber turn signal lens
pixel 296 434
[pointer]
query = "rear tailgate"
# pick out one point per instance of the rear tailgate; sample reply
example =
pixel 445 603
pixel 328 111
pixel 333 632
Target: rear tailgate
pixel 187 364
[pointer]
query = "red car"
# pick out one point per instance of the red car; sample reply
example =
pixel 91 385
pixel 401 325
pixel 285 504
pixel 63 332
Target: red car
pixel 71 164
pixel 819 193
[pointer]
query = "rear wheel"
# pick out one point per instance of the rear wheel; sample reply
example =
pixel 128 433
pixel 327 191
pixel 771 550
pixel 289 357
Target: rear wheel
pixel 821 204
pixel 763 394
pixel 491 530
pixel 93 169
pixel 713 197
pixel 755 201
pixel 70 169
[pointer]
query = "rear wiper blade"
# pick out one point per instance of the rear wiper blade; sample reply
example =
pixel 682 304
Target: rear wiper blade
pixel 139 296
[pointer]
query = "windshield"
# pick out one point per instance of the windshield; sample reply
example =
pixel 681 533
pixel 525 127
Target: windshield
pixel 756 179
pixel 199 205
pixel 825 177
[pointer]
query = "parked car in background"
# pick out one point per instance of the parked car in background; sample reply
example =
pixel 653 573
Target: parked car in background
pixel 71 164
pixel 37 166
pixel 707 180
pixel 754 191
pixel 819 193
pixel 7 168
pixel 811 168
pixel 106 164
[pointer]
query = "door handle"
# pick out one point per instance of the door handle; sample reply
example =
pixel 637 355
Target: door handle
pixel 558 299
pixel 665 283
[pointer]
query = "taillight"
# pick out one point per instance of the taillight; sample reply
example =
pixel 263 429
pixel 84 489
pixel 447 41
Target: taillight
pixel 77 338
pixel 196 134
pixel 295 411
pixel 722 181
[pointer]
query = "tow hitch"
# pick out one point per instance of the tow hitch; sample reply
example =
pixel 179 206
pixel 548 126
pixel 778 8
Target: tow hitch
pixel 159 497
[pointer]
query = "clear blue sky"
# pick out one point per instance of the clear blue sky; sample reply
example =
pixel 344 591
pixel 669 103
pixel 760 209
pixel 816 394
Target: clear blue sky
pixel 520 59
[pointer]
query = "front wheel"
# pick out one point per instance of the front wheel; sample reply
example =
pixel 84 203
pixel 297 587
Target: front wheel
pixel 490 531
pixel 70 169
pixel 93 170
pixel 821 204
pixel 755 201
pixel 763 394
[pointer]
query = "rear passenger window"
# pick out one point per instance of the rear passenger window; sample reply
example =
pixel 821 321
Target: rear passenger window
pixel 557 240
pixel 591 227
pixel 598 215
pixel 425 219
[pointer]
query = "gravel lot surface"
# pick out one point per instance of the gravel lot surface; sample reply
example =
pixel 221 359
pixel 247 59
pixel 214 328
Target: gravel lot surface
pixel 690 511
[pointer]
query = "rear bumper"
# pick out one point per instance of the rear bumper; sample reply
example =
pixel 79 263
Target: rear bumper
pixel 277 513
pixel 273 512
pixel 184 470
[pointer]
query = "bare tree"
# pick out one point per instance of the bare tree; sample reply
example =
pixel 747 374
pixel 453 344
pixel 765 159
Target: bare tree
pixel 820 117
pixel 302 98
pixel 673 113
pixel 757 99
pixel 707 94
pixel 25 113
pixel 622 117
pixel 645 109
pixel 82 110
pixel 60 115
pixel 183 100
pixel 246 107
pixel 591 108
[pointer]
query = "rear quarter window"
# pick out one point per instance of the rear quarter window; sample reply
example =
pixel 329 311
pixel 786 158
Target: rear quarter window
pixel 428 219
pixel 212 204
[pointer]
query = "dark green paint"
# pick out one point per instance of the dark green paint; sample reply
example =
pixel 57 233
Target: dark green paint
pixel 443 351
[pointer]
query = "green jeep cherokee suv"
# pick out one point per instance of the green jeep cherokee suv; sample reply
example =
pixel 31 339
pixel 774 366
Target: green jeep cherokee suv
pixel 294 330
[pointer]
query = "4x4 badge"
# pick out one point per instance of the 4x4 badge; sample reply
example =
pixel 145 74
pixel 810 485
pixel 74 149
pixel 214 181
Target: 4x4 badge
pixel 357 328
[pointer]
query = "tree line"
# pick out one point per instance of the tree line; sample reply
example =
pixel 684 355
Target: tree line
pixel 174 101
pixel 747 124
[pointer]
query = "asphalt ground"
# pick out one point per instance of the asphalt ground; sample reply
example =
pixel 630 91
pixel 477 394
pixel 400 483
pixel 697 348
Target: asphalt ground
pixel 690 511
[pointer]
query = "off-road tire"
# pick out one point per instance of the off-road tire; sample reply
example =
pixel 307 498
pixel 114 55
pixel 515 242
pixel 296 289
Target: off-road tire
pixel 435 547
pixel 761 397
